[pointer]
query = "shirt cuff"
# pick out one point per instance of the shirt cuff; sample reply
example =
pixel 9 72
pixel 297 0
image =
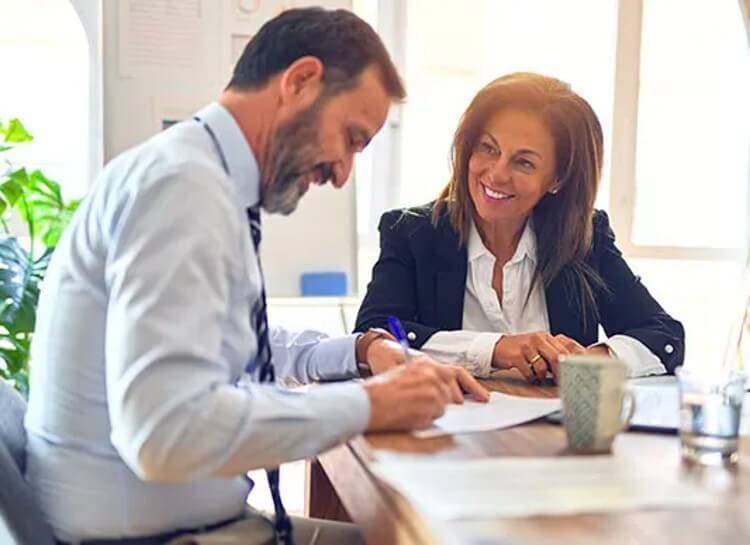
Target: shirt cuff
pixel 335 359
pixel 639 360
pixel 480 353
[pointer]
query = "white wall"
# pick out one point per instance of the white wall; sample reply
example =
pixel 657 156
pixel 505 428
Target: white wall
pixel 176 79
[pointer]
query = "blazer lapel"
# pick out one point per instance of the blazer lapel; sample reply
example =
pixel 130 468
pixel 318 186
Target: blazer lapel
pixel 450 285
pixel 562 309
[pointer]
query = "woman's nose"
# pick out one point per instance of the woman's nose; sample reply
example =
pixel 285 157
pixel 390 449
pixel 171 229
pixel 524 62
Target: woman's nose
pixel 501 169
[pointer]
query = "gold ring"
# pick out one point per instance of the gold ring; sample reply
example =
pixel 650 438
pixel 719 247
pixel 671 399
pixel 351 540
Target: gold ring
pixel 535 359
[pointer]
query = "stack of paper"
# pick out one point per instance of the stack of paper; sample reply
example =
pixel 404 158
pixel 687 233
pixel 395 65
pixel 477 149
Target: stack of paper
pixel 502 411
pixel 490 488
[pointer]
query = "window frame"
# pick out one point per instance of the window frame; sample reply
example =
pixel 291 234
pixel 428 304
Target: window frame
pixel 385 155
pixel 623 183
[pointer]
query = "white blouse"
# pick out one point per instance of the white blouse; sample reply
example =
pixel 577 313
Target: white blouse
pixel 485 320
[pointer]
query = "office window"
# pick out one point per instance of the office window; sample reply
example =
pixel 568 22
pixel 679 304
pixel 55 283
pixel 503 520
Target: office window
pixel 686 203
pixel 693 118
pixel 45 63
pixel 454 49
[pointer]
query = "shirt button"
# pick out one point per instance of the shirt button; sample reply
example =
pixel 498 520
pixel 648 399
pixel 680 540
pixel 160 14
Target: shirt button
pixel 669 349
pixel 411 336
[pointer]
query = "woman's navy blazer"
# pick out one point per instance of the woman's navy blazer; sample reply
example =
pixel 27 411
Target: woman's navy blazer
pixel 420 278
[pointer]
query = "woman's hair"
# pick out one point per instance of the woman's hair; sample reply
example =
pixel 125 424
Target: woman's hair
pixel 562 222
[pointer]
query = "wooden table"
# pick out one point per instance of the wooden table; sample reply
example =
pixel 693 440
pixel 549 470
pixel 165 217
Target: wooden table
pixel 342 488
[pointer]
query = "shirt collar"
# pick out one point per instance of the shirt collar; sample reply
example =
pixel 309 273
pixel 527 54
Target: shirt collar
pixel 240 159
pixel 526 245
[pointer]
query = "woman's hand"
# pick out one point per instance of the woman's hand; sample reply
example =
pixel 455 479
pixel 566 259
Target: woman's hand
pixel 534 354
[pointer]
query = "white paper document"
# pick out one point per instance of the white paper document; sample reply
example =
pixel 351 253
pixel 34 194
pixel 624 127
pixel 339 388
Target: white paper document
pixel 489 488
pixel 501 411
pixel 161 33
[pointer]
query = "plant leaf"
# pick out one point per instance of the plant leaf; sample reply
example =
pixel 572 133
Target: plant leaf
pixel 42 185
pixel 15 132
pixel 19 288
pixel 45 208
pixel 19 176
pixel 11 190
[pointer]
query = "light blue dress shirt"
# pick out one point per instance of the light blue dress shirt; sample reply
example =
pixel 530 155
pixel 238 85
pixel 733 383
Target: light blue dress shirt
pixel 137 424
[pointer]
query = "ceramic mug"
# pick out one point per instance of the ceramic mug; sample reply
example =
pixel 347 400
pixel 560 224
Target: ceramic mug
pixel 593 392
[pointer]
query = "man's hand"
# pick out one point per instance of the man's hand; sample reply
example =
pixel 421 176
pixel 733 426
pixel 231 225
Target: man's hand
pixel 384 354
pixel 411 396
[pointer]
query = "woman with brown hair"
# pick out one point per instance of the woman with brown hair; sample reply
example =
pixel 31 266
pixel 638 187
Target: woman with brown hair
pixel 511 266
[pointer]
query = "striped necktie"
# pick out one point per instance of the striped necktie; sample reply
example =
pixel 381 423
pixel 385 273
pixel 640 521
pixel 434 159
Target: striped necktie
pixel 259 312
pixel 263 363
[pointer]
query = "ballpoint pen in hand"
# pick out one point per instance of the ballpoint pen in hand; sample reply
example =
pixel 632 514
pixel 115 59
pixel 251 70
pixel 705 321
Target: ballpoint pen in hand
pixel 398 331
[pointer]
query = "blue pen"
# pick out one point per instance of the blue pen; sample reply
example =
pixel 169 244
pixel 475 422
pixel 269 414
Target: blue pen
pixel 398 331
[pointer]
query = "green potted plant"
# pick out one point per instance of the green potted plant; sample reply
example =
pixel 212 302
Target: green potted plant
pixel 37 202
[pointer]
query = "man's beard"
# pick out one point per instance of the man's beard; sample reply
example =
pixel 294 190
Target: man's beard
pixel 291 154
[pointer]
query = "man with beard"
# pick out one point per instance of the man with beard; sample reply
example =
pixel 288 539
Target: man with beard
pixel 152 387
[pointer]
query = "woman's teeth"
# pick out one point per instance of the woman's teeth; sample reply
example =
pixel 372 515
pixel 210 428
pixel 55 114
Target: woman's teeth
pixel 496 195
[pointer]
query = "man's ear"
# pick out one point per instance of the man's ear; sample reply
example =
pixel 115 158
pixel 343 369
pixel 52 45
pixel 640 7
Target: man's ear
pixel 301 81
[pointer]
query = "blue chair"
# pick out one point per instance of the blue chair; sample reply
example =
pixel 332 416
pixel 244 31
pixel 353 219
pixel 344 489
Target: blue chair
pixel 18 506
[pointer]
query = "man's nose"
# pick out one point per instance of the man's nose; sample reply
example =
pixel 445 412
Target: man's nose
pixel 342 170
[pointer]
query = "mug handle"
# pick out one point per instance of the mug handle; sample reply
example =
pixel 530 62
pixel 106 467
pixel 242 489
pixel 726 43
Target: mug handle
pixel 629 398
